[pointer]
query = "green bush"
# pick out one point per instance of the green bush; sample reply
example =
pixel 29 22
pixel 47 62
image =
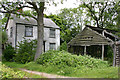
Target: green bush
pixel 63 46
pixel 26 51
pixel 63 59
pixel 7 73
pixel 27 45
pixel 24 57
pixel 8 53
pixel 109 56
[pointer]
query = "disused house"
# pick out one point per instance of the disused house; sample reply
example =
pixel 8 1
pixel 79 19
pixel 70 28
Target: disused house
pixel 19 29
pixel 95 39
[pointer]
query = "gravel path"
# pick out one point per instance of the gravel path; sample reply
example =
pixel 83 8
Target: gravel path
pixel 46 75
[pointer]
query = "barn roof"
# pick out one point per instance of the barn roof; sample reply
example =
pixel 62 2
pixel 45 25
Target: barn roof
pixel 94 36
pixel 98 29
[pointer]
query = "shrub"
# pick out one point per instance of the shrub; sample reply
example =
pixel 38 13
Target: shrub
pixel 8 53
pixel 26 51
pixel 9 73
pixel 27 45
pixel 24 57
pixel 63 59
pixel 63 46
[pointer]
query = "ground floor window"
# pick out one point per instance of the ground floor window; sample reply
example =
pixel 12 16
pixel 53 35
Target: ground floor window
pixel 52 46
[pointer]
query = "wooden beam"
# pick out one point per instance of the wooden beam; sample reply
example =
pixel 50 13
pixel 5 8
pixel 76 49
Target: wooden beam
pixel 84 50
pixel 103 52
pixel 103 46
pixel 114 55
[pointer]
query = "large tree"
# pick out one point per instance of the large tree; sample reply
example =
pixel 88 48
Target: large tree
pixel 103 14
pixel 36 12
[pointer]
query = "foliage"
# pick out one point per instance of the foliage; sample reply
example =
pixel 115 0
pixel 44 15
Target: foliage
pixel 103 14
pixel 70 21
pixel 3 36
pixel 8 53
pixel 63 46
pixel 109 55
pixel 23 57
pixel 9 73
pixel 63 59
pixel 26 51
pixel 27 45
pixel 82 72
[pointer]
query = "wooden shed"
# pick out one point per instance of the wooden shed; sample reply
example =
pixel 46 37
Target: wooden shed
pixel 94 38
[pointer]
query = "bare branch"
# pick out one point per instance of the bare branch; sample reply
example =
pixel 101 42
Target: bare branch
pixel 34 5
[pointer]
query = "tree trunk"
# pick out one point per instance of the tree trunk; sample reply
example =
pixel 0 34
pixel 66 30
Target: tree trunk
pixel 40 32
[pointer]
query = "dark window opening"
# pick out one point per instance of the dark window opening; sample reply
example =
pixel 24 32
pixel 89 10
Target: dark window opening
pixel 28 31
pixel 52 46
pixel 52 33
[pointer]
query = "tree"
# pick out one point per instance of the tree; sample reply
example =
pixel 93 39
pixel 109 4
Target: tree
pixel 103 14
pixel 70 21
pixel 36 13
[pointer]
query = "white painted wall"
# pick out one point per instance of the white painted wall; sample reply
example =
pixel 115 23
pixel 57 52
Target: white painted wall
pixel 11 23
pixel 21 35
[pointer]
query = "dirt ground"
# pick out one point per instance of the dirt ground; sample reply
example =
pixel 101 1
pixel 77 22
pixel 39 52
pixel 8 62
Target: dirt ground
pixel 46 75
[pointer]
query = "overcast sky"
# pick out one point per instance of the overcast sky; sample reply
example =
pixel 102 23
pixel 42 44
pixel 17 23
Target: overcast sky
pixel 56 9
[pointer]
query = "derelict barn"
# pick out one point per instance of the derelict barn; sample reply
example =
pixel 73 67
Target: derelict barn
pixel 95 40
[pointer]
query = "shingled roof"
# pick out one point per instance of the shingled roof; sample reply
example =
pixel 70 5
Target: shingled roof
pixel 47 22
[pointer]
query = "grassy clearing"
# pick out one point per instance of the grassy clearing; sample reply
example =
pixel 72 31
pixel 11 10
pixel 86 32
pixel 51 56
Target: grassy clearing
pixel 14 72
pixel 83 72
pixel 66 64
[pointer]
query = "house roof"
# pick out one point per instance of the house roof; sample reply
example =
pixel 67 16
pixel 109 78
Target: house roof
pixel 47 22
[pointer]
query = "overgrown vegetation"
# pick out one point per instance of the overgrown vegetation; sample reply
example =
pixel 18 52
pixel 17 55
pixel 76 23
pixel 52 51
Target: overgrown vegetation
pixel 66 64
pixel 63 46
pixel 26 51
pixel 82 72
pixel 9 73
pixel 65 59
pixel 8 53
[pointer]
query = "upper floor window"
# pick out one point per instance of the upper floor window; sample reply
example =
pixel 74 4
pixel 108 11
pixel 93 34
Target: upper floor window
pixel 11 31
pixel 52 46
pixel 52 33
pixel 28 31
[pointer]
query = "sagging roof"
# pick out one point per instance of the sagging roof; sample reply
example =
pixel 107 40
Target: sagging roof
pixel 108 32
pixel 47 22
pixel 94 36
pixel 100 29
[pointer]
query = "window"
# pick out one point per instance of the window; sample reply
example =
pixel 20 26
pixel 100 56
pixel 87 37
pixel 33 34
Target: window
pixel 52 33
pixel 28 31
pixel 11 32
pixel 52 46
pixel 11 43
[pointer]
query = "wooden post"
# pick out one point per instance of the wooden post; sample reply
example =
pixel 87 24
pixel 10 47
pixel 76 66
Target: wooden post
pixel 85 50
pixel 114 55
pixel 103 52
pixel 103 46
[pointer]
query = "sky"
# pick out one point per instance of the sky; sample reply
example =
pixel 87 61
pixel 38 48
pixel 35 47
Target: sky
pixel 66 4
